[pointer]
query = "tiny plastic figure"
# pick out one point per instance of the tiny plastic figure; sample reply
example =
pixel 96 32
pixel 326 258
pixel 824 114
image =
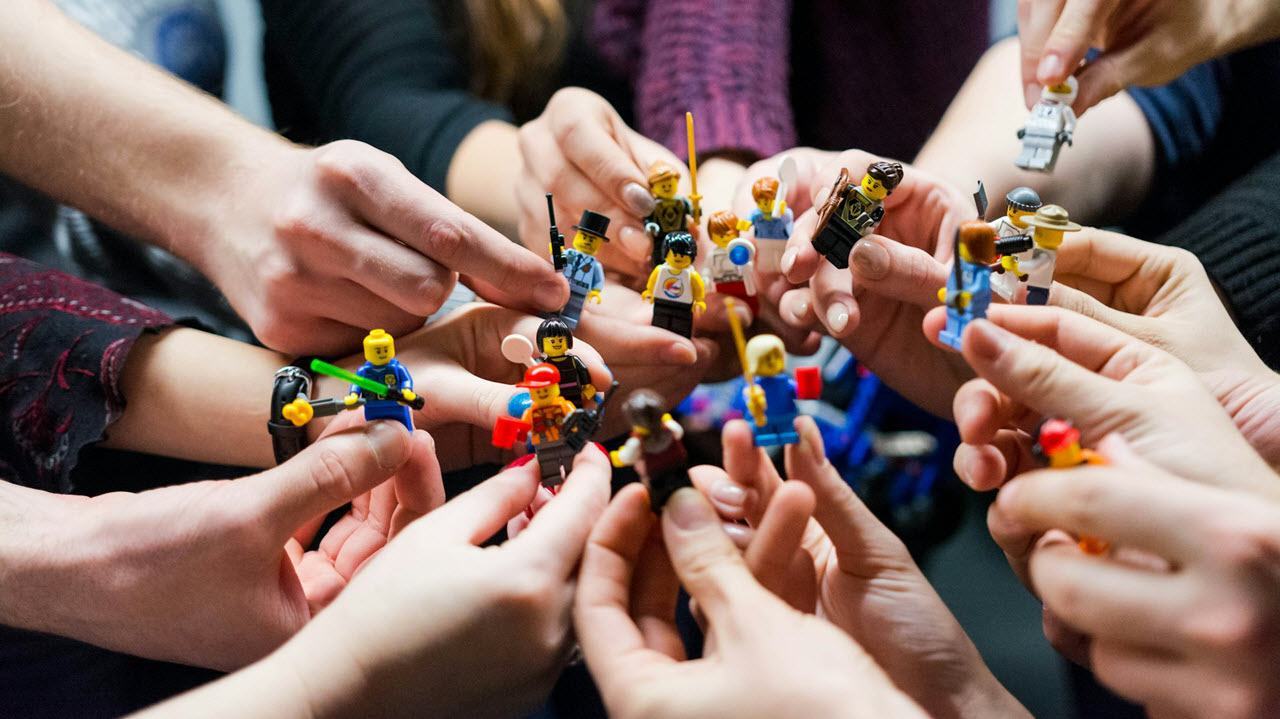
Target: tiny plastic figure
pixel 671 212
pixel 581 268
pixel 555 339
pixel 1050 223
pixel 771 396
pixel 381 384
pixel 675 288
pixel 731 268
pixel 853 211
pixel 654 447
pixel 772 220
pixel 1051 125
pixel 542 423
pixel 1013 239
pixel 1057 446
pixel 968 290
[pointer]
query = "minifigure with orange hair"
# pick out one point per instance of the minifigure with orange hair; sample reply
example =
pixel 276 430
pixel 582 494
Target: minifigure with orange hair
pixel 968 291
pixel 731 267
pixel 772 222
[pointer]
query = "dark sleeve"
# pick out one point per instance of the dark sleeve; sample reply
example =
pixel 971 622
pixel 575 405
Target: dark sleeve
pixel 63 344
pixel 1237 238
pixel 584 374
pixel 380 71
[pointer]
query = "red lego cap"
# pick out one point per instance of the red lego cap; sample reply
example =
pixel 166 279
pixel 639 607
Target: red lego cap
pixel 1056 435
pixel 539 376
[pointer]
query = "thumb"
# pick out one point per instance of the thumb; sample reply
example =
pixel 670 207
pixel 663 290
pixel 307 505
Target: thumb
pixel 327 475
pixel 710 567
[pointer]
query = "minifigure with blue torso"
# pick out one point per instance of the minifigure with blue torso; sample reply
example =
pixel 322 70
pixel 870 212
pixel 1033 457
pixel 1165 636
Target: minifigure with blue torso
pixel 968 291
pixel 581 268
pixel 772 222
pixel 771 395
pixel 381 366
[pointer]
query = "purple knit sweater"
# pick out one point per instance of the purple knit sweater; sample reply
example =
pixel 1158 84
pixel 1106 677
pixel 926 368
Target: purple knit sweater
pixel 865 73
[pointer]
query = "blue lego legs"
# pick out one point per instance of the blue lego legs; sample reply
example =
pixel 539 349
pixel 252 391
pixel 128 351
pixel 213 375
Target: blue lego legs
pixel 1037 295
pixel 777 429
pixel 573 309
pixel 951 334
pixel 382 409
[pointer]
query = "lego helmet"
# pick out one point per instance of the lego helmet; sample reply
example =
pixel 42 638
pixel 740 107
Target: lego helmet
pixel 1064 93
pixel 539 376
pixel 1023 199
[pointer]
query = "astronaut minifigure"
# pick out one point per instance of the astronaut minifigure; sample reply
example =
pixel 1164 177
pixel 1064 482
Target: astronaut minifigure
pixel 731 266
pixel 1050 222
pixel 1052 124
pixel 968 290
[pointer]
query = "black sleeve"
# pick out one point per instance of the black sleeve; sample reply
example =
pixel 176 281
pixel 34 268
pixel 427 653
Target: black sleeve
pixel 380 71
pixel 1237 238
pixel 584 374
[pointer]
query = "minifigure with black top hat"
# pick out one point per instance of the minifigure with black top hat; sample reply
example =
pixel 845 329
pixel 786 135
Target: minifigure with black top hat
pixel 581 268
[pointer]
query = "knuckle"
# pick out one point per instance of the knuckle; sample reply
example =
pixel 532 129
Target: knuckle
pixel 332 477
pixel 444 238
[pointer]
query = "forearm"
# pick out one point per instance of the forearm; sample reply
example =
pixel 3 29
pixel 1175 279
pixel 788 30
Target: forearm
pixel 197 396
pixel 1103 177
pixel 108 133
pixel 268 689
pixel 29 546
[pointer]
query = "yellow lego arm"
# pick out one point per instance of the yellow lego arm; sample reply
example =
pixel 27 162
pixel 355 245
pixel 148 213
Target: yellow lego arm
pixel 594 296
pixel 351 399
pixel 699 291
pixel 1010 263
pixel 942 294
pixel 647 295
pixel 756 404
pixel 408 395
pixel 588 391
pixel 744 225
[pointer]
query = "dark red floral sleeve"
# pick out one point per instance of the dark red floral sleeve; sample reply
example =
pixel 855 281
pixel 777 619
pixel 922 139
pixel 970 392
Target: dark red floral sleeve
pixel 63 343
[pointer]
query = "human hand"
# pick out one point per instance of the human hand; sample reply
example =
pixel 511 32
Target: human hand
pixel 1190 634
pixel 877 319
pixel 581 151
pixel 758 650
pixel 439 624
pixel 859 575
pixel 322 244
pixel 214 573
pixel 1144 42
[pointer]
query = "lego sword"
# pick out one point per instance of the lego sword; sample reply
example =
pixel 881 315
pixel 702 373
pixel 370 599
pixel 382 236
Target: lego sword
pixel 694 197
pixel 381 390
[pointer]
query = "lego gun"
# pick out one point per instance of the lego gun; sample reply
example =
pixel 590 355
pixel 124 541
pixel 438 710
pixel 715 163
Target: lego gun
pixel 1014 245
pixel 581 425
pixel 557 239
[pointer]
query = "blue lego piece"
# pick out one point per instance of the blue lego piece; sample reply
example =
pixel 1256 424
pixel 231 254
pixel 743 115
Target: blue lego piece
pixel 777 227
pixel 976 279
pixel 393 375
pixel 585 275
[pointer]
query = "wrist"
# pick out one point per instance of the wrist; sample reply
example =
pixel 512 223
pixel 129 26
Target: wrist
pixel 35 550
pixel 1249 23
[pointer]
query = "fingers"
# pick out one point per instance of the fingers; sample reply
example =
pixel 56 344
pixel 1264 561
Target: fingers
pixel 327 475
pixel 775 554
pixel 1109 74
pixel 592 144
pixel 711 569
pixel 459 396
pixel 611 641
pixel 419 487
pixel 800 260
pixel 897 271
pixel 752 478
pixel 833 300
pixel 1070 39
pixel 1035 21
pixel 477 514
pixel 557 534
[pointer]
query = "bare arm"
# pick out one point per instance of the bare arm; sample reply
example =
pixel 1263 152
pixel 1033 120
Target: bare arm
pixel 1100 179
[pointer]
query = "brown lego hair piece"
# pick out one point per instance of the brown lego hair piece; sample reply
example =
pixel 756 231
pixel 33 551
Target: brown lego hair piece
pixel 661 170
pixel 722 223
pixel 888 173
pixel 979 241
pixel 643 408
pixel 764 187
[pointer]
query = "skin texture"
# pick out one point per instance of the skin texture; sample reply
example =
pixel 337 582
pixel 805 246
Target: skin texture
pixel 759 650
pixel 212 573
pixel 850 570
pixel 1144 42
pixel 1190 632
pixel 311 246
pixel 478 632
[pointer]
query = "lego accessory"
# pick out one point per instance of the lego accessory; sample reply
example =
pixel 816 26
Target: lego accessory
pixel 518 349
pixel 694 197
pixel 292 408
pixel 557 239
pixel 382 390
pixel 756 414
pixel 1057 446
pixel 594 224
pixel 788 177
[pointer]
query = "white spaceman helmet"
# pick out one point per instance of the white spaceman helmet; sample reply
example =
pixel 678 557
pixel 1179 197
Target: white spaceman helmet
pixel 1064 93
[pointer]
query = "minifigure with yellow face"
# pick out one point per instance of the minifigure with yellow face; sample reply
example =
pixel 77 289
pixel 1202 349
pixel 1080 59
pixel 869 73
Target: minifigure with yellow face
pixel 675 288
pixel 968 291
pixel 543 421
pixel 382 367
pixel 853 211
pixel 555 339
pixel 1052 124
pixel 772 221
pixel 1021 204
pixel 1048 225
pixel 581 268
pixel 731 266
pixel 671 212
pixel 1057 446
pixel 770 399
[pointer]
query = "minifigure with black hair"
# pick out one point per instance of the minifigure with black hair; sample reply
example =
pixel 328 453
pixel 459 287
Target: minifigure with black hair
pixel 852 212
pixel 654 447
pixel 555 339
pixel 675 288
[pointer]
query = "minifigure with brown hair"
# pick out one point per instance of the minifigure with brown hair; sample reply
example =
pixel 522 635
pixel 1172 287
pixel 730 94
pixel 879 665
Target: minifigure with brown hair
pixel 654 447
pixel 772 221
pixel 671 212
pixel 853 211
pixel 968 290
pixel 731 267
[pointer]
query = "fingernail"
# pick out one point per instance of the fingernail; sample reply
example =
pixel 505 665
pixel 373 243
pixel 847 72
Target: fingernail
pixel 688 510
pixel 520 462
pixel 870 259
pixel 986 340
pixel 386 441
pixel 552 294
pixel 729 493
pixel 1032 94
pixel 1050 67
pixel 798 309
pixel 637 198
pixel 788 259
pixel 739 534
pixel 679 353
pixel 837 317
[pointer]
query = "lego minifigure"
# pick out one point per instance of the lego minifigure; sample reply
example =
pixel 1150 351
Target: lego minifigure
pixel 853 211
pixel 671 213
pixel 675 288
pixel 773 222
pixel 1052 124
pixel 771 395
pixel 1057 446
pixel 968 290
pixel 543 423
pixel 1013 239
pixel 555 339
pixel 654 447
pixel 731 268
pixel 581 268
pixel 1050 222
